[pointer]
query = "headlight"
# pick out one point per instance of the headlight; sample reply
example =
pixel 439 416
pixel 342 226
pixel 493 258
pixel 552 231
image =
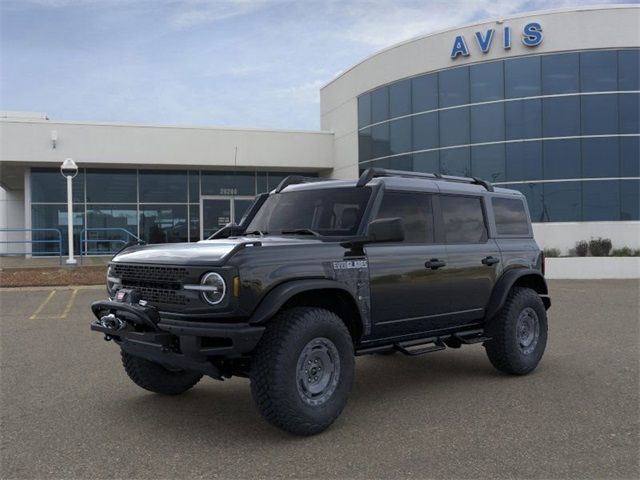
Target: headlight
pixel 113 283
pixel 213 288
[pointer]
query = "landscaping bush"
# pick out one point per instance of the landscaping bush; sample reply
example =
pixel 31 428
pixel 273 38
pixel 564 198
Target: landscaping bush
pixel 551 252
pixel 622 252
pixel 582 248
pixel 600 247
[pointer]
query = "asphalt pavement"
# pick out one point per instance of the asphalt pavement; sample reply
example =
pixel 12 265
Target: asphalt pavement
pixel 69 410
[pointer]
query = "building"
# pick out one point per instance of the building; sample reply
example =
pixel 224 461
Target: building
pixel 546 102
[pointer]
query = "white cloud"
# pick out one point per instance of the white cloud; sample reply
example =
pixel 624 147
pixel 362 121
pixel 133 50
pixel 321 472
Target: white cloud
pixel 196 12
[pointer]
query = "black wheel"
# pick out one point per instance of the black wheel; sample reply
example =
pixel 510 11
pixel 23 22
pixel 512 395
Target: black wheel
pixel 518 333
pixel 157 378
pixel 302 370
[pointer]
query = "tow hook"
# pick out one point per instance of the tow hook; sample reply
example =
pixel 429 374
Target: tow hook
pixel 112 322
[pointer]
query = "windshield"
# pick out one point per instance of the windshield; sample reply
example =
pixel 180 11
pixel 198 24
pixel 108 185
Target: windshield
pixel 330 212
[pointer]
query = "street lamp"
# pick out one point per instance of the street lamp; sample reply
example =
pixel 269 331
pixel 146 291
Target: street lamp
pixel 69 169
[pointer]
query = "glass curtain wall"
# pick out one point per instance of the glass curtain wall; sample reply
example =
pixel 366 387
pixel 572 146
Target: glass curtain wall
pixel 561 128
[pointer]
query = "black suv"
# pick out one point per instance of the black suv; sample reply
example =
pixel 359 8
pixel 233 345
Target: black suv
pixel 319 271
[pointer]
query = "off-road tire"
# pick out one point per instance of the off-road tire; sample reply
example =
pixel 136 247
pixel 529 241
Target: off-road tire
pixel 275 384
pixel 505 350
pixel 156 378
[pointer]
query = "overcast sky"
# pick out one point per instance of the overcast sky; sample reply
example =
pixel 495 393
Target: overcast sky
pixel 248 63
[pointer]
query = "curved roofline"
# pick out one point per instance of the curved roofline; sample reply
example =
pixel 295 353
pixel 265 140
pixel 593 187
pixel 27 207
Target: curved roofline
pixel 613 6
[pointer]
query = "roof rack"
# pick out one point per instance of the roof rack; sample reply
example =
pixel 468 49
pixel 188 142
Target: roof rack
pixel 296 179
pixel 371 173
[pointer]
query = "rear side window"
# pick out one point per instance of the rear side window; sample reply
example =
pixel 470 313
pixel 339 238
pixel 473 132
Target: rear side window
pixel 510 215
pixel 416 213
pixel 463 219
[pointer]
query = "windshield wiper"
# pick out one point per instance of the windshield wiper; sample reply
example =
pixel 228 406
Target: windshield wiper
pixel 301 231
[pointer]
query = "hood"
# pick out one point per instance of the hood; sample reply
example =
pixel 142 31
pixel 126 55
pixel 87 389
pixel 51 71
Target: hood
pixel 205 252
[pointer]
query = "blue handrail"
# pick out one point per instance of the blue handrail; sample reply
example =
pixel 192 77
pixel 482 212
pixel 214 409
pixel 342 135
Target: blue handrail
pixel 84 241
pixel 32 230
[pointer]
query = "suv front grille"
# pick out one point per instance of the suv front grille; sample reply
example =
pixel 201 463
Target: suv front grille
pixel 157 285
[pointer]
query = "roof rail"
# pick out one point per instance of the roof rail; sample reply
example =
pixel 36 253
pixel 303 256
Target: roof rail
pixel 296 179
pixel 371 173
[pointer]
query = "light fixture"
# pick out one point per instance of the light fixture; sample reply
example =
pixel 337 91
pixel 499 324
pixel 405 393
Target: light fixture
pixel 54 138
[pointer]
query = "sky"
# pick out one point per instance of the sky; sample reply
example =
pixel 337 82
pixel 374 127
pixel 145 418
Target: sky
pixel 243 63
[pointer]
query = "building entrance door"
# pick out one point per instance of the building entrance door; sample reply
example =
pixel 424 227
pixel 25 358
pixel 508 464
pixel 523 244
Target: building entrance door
pixel 217 211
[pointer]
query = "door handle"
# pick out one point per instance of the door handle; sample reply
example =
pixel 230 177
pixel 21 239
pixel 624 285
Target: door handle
pixel 434 264
pixel 488 261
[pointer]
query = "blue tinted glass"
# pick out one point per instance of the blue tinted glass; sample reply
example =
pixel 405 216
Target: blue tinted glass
pixel 262 182
pixel 562 202
pixel 365 145
pixel 194 222
pixel 380 140
pixel 561 116
pixel 112 186
pixel 523 119
pixel 630 156
pixel 533 194
pixel 454 127
pixel 402 162
pixel 454 87
pixel 164 223
pixel 599 71
pixel 487 82
pixel 380 105
pixel 629 70
pixel 600 201
pixel 400 135
pixel 52 216
pixel 48 185
pixel 455 161
pixel 194 186
pixel 163 186
pixel 424 90
pixel 428 162
pixel 400 99
pixel 487 162
pixel 630 200
pixel 524 161
pixel 425 131
pixel 629 112
pixel 118 219
pixel 600 157
pixel 561 159
pixel 228 183
pixel 364 110
pixel 522 77
pixel 560 73
pixel 487 123
pixel 599 114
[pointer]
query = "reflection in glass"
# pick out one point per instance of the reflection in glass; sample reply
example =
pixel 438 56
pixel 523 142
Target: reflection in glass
pixel 364 110
pixel 194 186
pixel 487 82
pixel 524 161
pixel 600 201
pixel 380 140
pixel 630 156
pixel 561 159
pixel 380 105
pixel 111 220
pixel 463 219
pixel 365 145
pixel 53 216
pixel 488 162
pixel 455 161
pixel 400 99
pixel 194 222
pixel 424 92
pixel 402 162
pixel 561 116
pixel 560 73
pixel 523 119
pixel 164 223
pixel 630 200
pixel 400 135
pixel 599 114
pixel 522 77
pixel 533 193
pixel 629 69
pixel 599 71
pixel 428 162
pixel 49 186
pixel 600 157
pixel 425 131
pixel 112 186
pixel 163 186
pixel 510 216
pixel 562 202
pixel 454 127
pixel 629 112
pixel 487 123
pixel 415 211
pixel 454 87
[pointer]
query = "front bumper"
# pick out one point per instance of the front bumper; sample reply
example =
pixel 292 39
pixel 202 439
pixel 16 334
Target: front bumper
pixel 178 343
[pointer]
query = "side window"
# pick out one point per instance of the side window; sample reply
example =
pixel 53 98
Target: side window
pixel 463 219
pixel 511 217
pixel 415 211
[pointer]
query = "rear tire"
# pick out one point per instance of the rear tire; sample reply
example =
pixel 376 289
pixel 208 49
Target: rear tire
pixel 156 378
pixel 518 333
pixel 302 370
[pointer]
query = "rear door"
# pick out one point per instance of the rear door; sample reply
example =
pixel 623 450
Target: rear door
pixel 407 296
pixel 474 258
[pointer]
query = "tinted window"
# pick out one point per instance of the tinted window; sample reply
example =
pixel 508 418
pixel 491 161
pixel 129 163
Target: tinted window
pixel 425 131
pixel 463 219
pixel 164 186
pixel 598 71
pixel 524 161
pixel 487 82
pixel 454 87
pixel 454 127
pixel 561 116
pixel 560 73
pixel 630 200
pixel 629 112
pixel 629 70
pixel 365 145
pixel 364 110
pixel 424 91
pixel 401 162
pixel 380 140
pixel 511 217
pixel 630 156
pixel 48 185
pixel 487 123
pixel 455 161
pixel 400 99
pixel 533 193
pixel 562 202
pixel 523 119
pixel 487 162
pixel 53 216
pixel 400 135
pixel 562 159
pixel 380 105
pixel 164 223
pixel 108 186
pixel 194 187
pixel 414 210
pixel 426 162
pixel 522 77
pixel 600 157
pixel 600 201
pixel 599 114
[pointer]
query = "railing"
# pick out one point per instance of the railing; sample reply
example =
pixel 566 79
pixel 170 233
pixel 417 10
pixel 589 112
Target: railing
pixel 57 240
pixel 121 242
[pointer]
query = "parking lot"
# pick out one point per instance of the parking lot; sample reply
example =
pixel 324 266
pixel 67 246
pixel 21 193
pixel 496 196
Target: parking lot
pixel 69 411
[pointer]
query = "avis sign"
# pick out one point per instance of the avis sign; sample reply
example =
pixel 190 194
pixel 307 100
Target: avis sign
pixel 531 36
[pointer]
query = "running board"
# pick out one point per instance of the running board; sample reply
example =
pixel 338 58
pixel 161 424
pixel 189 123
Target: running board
pixel 419 349
pixel 471 337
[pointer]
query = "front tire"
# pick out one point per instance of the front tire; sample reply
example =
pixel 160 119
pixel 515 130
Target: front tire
pixel 157 378
pixel 518 333
pixel 302 370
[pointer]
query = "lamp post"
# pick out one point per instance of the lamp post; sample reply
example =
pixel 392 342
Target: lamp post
pixel 69 169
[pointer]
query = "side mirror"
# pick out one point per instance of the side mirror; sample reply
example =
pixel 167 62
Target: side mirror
pixel 386 230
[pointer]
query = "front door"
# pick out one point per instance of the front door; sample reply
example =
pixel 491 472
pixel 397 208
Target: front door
pixel 217 211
